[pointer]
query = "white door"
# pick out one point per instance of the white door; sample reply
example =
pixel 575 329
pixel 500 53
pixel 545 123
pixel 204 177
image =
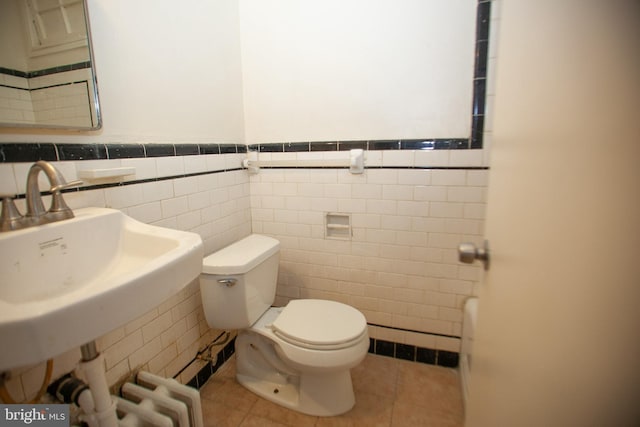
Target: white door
pixel 558 339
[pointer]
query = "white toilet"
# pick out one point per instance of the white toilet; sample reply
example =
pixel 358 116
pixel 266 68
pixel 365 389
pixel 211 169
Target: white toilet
pixel 298 356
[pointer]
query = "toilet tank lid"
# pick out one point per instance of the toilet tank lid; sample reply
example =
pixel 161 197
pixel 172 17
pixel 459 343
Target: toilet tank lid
pixel 241 256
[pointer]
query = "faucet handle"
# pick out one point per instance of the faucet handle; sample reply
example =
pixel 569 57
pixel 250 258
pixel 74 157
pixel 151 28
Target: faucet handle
pixel 59 209
pixel 10 218
pixel 66 185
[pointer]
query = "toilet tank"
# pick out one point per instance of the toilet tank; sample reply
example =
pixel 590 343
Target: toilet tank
pixel 238 282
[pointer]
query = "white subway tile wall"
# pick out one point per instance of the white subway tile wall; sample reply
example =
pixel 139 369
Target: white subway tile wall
pixel 400 268
pixel 15 103
pixel 166 339
pixel 60 98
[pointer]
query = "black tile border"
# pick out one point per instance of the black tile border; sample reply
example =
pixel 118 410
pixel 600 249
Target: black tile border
pixel 32 152
pixel 483 21
pixel 209 369
pixel 28 152
pixel 371 145
pixel 15 73
pixel 46 71
pixel 159 150
pixel 125 151
pixel 352 145
pixel 15 152
pixel 413 353
pixel 297 147
pixel 186 149
pixel 324 146
pixel 81 152
pixel 379 347
pixel 19 153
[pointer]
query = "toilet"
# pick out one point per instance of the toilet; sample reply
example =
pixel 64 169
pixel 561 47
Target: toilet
pixel 298 356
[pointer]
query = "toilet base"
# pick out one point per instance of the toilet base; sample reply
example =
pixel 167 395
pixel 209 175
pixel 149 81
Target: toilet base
pixel 260 369
pixel 324 396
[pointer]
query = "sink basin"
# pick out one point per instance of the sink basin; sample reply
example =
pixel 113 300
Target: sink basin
pixel 67 283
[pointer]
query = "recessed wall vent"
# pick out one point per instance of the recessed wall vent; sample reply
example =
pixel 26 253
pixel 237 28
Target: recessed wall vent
pixel 338 226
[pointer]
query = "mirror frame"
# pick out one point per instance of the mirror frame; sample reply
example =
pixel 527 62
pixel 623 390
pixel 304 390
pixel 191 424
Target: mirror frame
pixel 96 99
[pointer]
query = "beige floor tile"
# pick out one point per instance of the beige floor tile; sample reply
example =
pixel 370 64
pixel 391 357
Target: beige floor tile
pixel 376 374
pixel 256 421
pixel 229 392
pixel 389 392
pixel 267 409
pixel 227 370
pixel 433 387
pixel 406 414
pixel 217 414
pixel 370 410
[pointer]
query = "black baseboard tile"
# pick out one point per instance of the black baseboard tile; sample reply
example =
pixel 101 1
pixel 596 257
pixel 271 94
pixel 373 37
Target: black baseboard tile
pixel 385 348
pixel 405 352
pixel 412 353
pixel 426 355
pixel 209 369
pixel 380 347
pixel 448 359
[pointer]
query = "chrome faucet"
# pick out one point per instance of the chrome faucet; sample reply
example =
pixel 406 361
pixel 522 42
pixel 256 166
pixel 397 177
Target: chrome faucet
pixel 10 218
pixel 36 213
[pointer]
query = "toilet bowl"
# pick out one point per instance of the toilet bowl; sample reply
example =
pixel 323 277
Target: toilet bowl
pixel 298 356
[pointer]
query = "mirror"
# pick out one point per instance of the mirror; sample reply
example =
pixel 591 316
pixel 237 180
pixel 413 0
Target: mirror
pixel 47 78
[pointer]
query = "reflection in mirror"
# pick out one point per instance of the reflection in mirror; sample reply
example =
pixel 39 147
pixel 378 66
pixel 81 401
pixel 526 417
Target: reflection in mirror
pixel 47 78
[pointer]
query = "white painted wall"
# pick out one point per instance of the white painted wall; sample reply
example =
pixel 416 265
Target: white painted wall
pixel 304 70
pixel 12 43
pixel 167 72
pixel 358 69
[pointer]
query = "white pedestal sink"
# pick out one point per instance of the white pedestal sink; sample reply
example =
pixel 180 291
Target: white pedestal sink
pixel 67 283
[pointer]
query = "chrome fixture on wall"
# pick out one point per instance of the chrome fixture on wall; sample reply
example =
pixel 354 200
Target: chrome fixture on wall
pixel 11 219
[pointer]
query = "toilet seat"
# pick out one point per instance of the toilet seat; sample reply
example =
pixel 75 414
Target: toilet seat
pixel 319 324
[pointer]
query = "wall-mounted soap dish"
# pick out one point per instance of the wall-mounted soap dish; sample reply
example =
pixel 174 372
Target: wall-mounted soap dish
pixel 94 174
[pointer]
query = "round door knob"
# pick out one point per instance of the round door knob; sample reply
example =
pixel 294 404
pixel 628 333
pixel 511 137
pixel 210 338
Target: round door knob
pixel 468 253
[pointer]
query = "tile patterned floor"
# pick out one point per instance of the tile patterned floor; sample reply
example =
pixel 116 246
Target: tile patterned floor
pixel 389 392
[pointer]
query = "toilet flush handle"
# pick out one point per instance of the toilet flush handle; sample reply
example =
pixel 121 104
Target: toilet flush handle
pixel 228 282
